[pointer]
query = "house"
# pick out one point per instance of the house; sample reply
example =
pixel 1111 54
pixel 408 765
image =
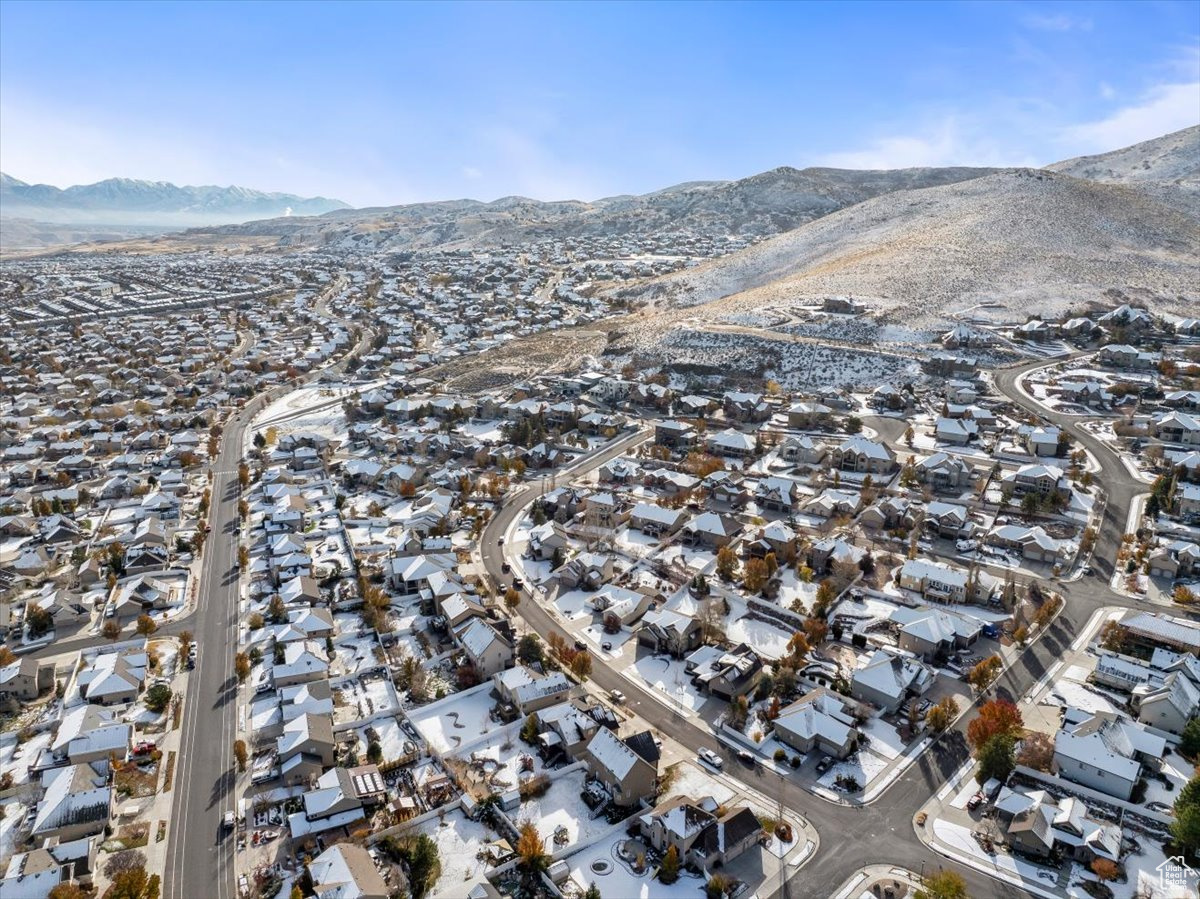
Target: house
pixel 889 680
pixel 485 648
pixel 347 871
pixel 77 802
pixel 1103 751
pixel 1043 441
pixel 656 520
pixel 886 513
pixel 1178 427
pixel 114 677
pixel 674 434
pixel 588 571
pixel 777 494
pixel 567 728
pixel 619 603
pixel 731 443
pixel 1125 356
pixel 89 733
pixel 711 530
pixel 724 673
pixel 863 455
pixel 933 633
pixel 944 472
pixel 33 874
pixel 1038 824
pixel 1038 478
pixel 948 520
pixel 746 406
pixel 304 661
pixel 803 450
pixel 1150 630
pixel 21 681
pixel 803 415
pixel 935 580
pixel 1032 543
pixel 955 431
pixel 528 691
pixel 629 774
pixel 702 837
pixel 669 632
pixel 305 748
pixel 819 720
pixel 1170 704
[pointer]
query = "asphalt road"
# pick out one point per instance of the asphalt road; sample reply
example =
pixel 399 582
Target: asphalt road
pixel 883 831
pixel 200 853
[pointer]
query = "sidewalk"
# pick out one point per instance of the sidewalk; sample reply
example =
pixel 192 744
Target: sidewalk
pixel 876 880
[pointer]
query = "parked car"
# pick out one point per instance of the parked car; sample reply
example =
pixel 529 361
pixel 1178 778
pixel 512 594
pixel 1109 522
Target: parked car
pixel 825 764
pixel 975 801
pixel 746 757
pixel 229 820
pixel 707 755
pixel 505 567
pixel 617 696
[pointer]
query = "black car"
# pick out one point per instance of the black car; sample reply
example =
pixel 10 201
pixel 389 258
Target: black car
pixel 825 764
pixel 505 567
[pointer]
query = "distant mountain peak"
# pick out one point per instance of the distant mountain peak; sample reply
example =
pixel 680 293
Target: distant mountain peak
pixel 138 201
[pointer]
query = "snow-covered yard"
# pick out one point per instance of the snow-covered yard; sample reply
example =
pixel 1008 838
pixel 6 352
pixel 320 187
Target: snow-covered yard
pixel 693 782
pixel 560 806
pixel 392 739
pixel 451 723
pixel 885 741
pixel 16 758
pixel 767 639
pixel 863 767
pixel 600 864
pixel 460 841
pixel 1079 696
pixel 670 682
pixel 960 839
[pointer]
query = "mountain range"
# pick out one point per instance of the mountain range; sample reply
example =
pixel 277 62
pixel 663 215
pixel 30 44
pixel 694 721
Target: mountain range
pixel 130 202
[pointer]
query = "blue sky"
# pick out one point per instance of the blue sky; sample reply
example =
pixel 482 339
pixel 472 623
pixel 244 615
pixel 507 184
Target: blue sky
pixel 379 103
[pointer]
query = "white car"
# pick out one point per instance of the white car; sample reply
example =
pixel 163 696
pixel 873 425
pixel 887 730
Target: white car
pixel 617 696
pixel 707 755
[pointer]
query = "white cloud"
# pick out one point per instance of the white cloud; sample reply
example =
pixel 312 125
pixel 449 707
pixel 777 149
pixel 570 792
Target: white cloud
pixel 1056 22
pixel 1161 110
pixel 943 144
pixel 1107 91
pixel 471 173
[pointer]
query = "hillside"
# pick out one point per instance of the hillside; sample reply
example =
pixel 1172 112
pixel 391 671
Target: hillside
pixel 758 206
pixel 1171 159
pixel 1028 240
